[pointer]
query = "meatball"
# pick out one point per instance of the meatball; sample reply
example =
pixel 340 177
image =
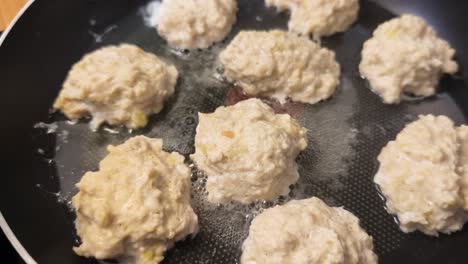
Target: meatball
pixel 248 152
pixel 318 17
pixel 119 85
pixel 307 231
pixel 191 24
pixel 405 56
pixel 136 205
pixel 420 176
pixel 281 65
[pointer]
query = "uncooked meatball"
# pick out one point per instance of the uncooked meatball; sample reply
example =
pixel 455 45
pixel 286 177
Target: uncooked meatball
pixel 318 17
pixel 422 176
pixel 191 24
pixel 248 152
pixel 281 65
pixel 304 232
pixel 119 85
pixel 136 205
pixel 405 56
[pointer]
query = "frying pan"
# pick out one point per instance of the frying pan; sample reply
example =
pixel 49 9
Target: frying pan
pixel 41 162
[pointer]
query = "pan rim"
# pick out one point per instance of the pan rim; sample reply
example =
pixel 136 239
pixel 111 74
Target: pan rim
pixel 3 223
pixel 14 240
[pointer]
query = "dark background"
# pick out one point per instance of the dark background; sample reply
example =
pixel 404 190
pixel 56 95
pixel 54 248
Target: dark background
pixel 8 253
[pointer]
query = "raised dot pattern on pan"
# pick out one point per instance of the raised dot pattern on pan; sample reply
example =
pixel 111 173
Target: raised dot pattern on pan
pixel 185 129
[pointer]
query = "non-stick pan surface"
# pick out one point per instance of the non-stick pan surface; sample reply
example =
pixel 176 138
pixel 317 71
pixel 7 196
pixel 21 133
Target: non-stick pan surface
pixel 41 163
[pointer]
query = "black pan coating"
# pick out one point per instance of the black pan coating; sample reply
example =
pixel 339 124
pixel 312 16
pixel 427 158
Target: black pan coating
pixel 346 132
